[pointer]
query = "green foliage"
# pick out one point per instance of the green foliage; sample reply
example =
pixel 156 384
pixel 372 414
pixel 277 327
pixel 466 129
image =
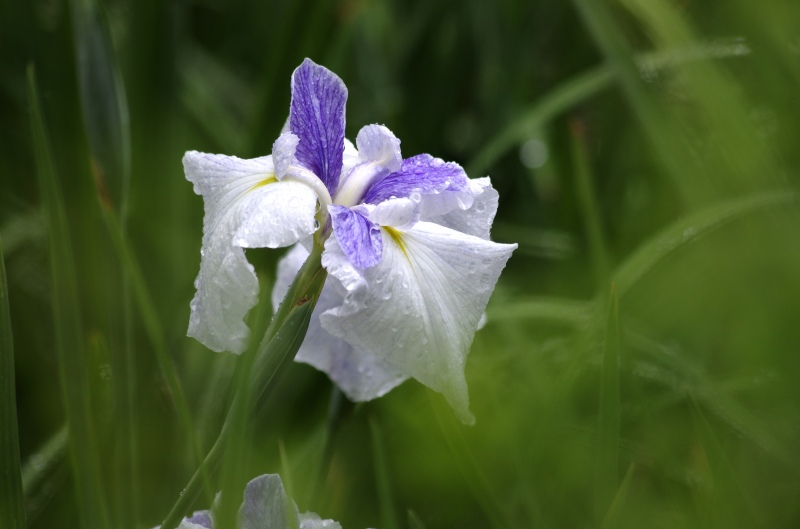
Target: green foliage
pixel 651 144
pixel 12 510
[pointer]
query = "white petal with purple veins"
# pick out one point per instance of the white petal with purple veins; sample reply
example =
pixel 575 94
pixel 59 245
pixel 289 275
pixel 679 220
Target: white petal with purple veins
pixel 379 145
pixel 360 375
pixel 244 206
pixel 401 213
pixel 419 307
pixel 266 505
pixel 478 217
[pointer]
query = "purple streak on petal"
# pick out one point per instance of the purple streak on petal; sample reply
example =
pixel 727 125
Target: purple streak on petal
pixel 423 174
pixel 316 116
pixel 360 239
pixel 201 518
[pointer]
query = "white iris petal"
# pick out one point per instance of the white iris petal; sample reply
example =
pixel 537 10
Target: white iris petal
pixel 360 375
pixel 378 155
pixel 419 307
pixel 245 206
pixel 477 218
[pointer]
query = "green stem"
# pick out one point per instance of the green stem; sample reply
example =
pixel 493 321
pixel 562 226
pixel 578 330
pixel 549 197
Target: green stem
pixel 263 367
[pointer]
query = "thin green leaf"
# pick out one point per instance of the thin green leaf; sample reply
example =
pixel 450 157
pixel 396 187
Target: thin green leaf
pixel 667 141
pixel 12 510
pixel 474 476
pixel 44 473
pixel 742 157
pixel 685 377
pixel 287 472
pixel 689 229
pixel 555 102
pixel 413 521
pixel 339 408
pixel 389 518
pixel 262 368
pixel 557 310
pixel 587 199
pixel 581 87
pixel 103 101
pixel 607 471
pixel 612 517
pixel 730 507
pixel 21 229
pixel 73 363
pixel 155 333
pixel 106 120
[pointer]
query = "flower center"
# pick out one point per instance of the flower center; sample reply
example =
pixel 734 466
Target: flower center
pixel 357 182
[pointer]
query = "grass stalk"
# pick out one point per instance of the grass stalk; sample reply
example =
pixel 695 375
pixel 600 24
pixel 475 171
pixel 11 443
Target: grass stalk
pixel 12 510
pixel 73 363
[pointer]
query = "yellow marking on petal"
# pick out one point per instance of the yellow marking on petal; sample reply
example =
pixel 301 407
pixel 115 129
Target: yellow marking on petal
pixel 268 180
pixel 397 237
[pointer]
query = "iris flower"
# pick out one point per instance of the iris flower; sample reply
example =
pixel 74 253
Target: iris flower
pixel 406 246
pixel 265 506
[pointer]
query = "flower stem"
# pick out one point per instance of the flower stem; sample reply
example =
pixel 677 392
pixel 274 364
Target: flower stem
pixel 262 367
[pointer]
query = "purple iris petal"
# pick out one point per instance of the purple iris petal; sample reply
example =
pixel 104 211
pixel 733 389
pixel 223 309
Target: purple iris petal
pixel 316 117
pixel 202 518
pixel 359 238
pixel 423 174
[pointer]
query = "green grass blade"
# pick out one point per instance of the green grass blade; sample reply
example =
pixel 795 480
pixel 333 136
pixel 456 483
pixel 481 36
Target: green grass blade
pixel 578 89
pixel 612 517
pixel 106 120
pixel 103 101
pixel 12 510
pixel 730 507
pixel 475 477
pixel 155 333
pixel 44 473
pixel 73 363
pixel 587 199
pixel 667 141
pixel 413 521
pixel 556 310
pixel 560 99
pixel 744 160
pixel 688 229
pixel 607 464
pixel 261 368
pixel 389 518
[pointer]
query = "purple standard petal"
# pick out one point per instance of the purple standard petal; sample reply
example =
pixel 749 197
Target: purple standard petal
pixel 316 117
pixel 422 174
pixel 359 238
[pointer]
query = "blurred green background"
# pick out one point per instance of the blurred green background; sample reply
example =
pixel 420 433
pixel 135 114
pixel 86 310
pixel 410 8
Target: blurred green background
pixel 648 144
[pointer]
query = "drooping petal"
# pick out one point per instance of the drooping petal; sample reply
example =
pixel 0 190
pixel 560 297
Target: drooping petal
pixel 316 116
pixel 360 375
pixel 245 206
pixel 266 505
pixel 442 186
pixel 477 219
pixel 359 238
pixel 419 307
